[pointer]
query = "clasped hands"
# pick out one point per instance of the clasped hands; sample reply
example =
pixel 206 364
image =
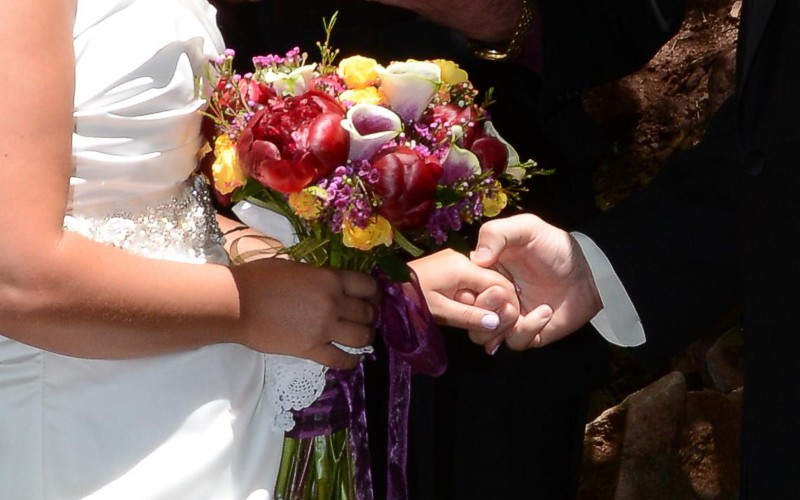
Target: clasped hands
pixel 526 283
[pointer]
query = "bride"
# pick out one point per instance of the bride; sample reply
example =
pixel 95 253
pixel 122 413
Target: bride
pixel 133 359
pixel 131 364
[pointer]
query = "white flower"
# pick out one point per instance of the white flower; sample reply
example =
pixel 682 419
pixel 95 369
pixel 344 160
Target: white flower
pixel 295 82
pixel 410 86
pixel 512 169
pixel 460 163
pixel 370 127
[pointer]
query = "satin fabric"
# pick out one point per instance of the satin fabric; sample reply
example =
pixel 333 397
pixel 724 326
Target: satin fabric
pixel 191 425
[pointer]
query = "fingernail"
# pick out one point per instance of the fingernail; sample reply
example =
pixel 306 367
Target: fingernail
pixel 482 254
pixel 544 312
pixel 494 351
pixel 490 321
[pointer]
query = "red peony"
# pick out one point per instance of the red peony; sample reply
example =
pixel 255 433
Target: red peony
pixel 294 142
pixel 407 185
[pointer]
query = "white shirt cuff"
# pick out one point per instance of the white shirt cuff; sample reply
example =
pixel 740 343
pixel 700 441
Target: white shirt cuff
pixel 618 321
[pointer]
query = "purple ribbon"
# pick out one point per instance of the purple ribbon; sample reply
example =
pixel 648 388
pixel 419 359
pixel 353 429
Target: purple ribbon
pixel 414 345
pixel 341 405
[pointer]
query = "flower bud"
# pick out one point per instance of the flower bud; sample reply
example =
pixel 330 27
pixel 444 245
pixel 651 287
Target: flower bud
pixel 407 186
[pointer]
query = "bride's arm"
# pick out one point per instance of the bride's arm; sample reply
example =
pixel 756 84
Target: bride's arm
pixel 64 293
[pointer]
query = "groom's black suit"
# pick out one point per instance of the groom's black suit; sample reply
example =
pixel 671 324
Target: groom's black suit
pixel 721 229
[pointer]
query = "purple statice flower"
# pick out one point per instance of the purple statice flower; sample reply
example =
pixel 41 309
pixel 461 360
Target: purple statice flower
pixel 442 220
pixel 473 206
pixel 346 198
pixel 367 173
pixel 268 61
pixel 294 57
pixel 330 84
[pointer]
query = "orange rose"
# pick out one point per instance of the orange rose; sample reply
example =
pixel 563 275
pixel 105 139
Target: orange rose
pixel 227 172
pixel 494 202
pixel 451 72
pixel 377 232
pixel 358 71
pixel 367 95
pixel 306 203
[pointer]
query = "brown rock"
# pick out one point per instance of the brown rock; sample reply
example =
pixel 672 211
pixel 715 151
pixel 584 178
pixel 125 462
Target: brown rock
pixel 602 454
pixel 724 361
pixel 708 447
pixel 651 427
pixel 664 443
pixel 736 9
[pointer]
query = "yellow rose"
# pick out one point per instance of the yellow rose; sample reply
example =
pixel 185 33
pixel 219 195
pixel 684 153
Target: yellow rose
pixel 358 71
pixel 306 203
pixel 377 232
pixel 227 172
pixel 451 72
pixel 367 95
pixel 494 203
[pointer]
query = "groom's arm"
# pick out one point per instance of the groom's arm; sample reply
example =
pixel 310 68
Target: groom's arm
pixel 618 321
pixel 675 245
pixel 576 44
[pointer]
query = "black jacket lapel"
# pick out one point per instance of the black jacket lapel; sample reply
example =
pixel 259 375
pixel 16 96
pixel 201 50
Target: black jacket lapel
pixel 754 21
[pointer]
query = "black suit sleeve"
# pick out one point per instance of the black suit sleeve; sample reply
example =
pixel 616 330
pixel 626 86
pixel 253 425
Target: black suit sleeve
pixel 676 244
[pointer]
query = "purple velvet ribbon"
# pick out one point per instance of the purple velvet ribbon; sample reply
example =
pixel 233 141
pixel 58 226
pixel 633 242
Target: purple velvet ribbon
pixel 414 345
pixel 341 405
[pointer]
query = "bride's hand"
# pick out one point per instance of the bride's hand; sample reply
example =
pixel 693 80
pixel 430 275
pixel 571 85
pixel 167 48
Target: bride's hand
pixel 299 310
pixel 463 295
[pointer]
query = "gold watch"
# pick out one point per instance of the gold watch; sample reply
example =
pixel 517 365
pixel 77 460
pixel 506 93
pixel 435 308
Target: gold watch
pixel 512 50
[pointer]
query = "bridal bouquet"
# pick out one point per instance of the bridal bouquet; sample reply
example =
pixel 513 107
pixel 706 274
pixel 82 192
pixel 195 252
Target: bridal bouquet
pixel 369 163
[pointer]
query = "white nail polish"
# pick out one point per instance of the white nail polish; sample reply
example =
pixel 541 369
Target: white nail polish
pixel 490 321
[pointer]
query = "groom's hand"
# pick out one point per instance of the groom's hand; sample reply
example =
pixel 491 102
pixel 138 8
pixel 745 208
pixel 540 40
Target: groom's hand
pixel 556 290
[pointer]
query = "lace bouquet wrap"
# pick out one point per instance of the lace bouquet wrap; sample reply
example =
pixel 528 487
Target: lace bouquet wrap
pixel 370 165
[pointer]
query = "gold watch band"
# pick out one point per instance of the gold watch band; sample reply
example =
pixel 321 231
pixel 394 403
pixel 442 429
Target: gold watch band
pixel 514 48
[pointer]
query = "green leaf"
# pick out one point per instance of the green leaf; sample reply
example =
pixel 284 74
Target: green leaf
pixel 406 245
pixel 251 189
pixel 395 268
pixel 447 196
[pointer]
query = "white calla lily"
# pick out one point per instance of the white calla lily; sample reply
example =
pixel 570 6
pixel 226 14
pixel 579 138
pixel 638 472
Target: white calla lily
pixel 460 163
pixel 370 127
pixel 512 167
pixel 295 82
pixel 410 86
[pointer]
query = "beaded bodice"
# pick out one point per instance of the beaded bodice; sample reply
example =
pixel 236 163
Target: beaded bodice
pixel 137 129
pixel 176 224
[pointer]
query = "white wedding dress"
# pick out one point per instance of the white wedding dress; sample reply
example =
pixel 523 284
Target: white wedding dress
pixel 203 424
